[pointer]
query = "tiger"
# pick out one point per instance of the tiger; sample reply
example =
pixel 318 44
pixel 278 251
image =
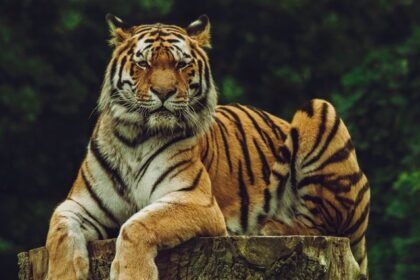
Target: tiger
pixel 166 163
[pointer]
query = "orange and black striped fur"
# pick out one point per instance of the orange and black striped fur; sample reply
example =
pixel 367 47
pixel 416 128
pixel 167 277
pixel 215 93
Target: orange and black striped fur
pixel 165 164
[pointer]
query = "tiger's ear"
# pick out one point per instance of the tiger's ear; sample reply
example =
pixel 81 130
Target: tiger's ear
pixel 200 31
pixel 120 31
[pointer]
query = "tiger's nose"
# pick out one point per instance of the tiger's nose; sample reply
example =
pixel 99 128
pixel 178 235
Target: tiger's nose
pixel 163 93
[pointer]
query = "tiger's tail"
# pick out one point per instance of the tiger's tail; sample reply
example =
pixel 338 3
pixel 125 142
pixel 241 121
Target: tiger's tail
pixel 321 189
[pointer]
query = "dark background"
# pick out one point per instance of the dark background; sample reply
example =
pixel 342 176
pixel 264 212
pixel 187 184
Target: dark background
pixel 362 55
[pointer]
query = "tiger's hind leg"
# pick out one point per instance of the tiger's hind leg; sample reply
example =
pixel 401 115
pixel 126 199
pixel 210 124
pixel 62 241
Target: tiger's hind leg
pixel 321 189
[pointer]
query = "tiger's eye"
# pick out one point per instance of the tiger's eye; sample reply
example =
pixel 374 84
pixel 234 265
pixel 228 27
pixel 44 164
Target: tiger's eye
pixel 143 64
pixel 181 65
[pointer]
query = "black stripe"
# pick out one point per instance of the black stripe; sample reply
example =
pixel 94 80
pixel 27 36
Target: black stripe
pixel 201 103
pixel 336 185
pixel 133 68
pixel 84 223
pixel 177 48
pixel 118 184
pixel 115 62
pixel 142 33
pixel 252 119
pixel 339 156
pixel 147 47
pixel 321 131
pixel 308 108
pixel 194 183
pixel 313 199
pixel 171 40
pixel 284 154
pixel 318 179
pixel 327 142
pixel 217 149
pixel 182 169
pixel 320 203
pixel 338 217
pixel 122 64
pixel 269 122
pixel 265 167
pixel 213 153
pixel 225 144
pixel 222 125
pixel 119 121
pixel 200 77
pixel 167 172
pixel 345 202
pixel 178 35
pixel 267 198
pixel 360 195
pixel 154 33
pixel 127 82
pixel 243 143
pixel 132 143
pixel 194 86
pixel 357 201
pixel 295 144
pixel 224 114
pixel 362 258
pixel 314 225
pixel 150 40
pixel 273 149
pixel 209 165
pixel 349 231
pixel 95 227
pixel 143 169
pixel 206 67
pixel 174 29
pixel 357 240
pixel 97 200
pixel 113 69
pixel 182 151
pixel 243 195
pixel 164 34
pixel 206 147
pixel 281 185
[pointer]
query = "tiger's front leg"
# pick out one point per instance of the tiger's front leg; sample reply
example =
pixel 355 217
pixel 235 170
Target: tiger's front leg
pixel 176 217
pixel 66 242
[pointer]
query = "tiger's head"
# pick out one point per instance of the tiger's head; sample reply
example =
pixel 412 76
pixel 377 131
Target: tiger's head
pixel 159 76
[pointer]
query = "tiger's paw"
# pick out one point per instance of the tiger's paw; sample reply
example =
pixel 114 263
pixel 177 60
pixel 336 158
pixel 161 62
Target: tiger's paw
pixel 67 258
pixel 126 269
pixel 134 256
pixel 72 268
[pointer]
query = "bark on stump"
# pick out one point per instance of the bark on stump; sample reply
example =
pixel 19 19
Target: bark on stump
pixel 285 257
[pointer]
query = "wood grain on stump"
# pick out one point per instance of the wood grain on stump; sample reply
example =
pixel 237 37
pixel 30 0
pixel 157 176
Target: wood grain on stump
pixel 285 257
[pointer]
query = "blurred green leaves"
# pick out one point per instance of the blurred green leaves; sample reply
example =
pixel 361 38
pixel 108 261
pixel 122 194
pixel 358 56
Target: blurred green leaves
pixel 5 245
pixel 403 212
pixel 232 91
pixel 71 19
pixel 162 7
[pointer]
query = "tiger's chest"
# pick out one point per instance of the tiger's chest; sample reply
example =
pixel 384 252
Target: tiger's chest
pixel 140 175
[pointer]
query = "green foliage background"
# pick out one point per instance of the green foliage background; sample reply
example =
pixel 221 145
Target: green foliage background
pixel 362 55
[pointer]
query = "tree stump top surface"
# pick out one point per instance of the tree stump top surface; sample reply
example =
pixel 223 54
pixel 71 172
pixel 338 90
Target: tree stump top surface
pixel 234 257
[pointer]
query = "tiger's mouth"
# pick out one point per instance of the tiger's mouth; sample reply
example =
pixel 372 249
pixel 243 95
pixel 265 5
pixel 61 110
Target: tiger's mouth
pixel 164 114
pixel 162 111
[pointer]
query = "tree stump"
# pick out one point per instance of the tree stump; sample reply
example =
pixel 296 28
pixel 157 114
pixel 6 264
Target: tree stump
pixel 236 257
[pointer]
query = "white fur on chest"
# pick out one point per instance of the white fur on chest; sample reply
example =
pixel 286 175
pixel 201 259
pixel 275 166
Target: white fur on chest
pixel 139 169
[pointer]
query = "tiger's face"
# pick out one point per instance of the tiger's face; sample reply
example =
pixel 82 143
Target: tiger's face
pixel 159 77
